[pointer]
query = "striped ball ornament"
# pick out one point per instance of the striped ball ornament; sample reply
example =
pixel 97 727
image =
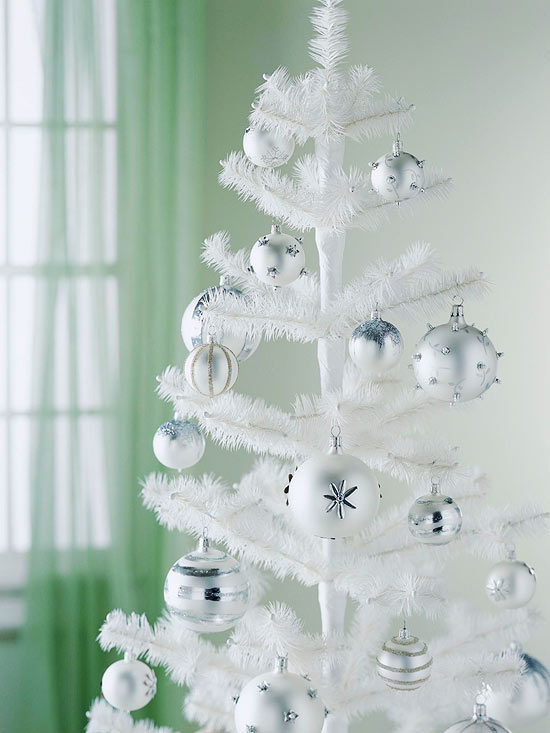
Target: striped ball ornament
pixel 211 369
pixel 404 662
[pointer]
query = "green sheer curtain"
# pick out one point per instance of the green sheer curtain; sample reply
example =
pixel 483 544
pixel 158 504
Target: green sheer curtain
pixel 108 317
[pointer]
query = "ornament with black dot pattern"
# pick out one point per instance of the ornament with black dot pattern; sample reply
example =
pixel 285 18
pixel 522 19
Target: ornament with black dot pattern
pixel 277 258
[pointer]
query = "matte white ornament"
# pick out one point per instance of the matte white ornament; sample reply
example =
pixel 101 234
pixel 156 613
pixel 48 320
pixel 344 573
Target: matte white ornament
pixel 267 149
pixel 194 331
pixel 511 583
pixel 128 684
pixel 480 722
pixel 404 663
pixel 277 258
pixel 397 176
pixel 279 702
pixel 455 361
pixel 211 369
pixel 376 345
pixel 207 589
pixel 333 495
pixel 178 444
pixel 435 519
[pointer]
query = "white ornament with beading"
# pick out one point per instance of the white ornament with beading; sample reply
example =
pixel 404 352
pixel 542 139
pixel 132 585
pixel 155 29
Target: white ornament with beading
pixel 211 369
pixel 404 663
pixel 398 175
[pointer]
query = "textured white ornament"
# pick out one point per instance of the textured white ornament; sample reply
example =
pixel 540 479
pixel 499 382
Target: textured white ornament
pixel 376 345
pixel 265 148
pixel 194 331
pixel 207 589
pixel 279 702
pixel 277 258
pixel 404 662
pixel 455 361
pixel 530 700
pixel 397 176
pixel 435 519
pixel 511 583
pixel 128 684
pixel 480 722
pixel 211 369
pixel 178 444
pixel 333 495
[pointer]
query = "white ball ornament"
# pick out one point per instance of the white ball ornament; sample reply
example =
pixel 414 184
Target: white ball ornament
pixel 511 583
pixel 480 722
pixel 376 345
pixel 279 702
pixel 207 590
pixel 128 684
pixel 211 369
pixel 435 519
pixel 404 663
pixel 333 495
pixel 455 361
pixel 398 175
pixel 267 149
pixel 277 258
pixel 178 444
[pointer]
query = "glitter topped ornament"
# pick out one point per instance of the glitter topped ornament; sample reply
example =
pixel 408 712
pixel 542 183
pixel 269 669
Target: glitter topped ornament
pixel 267 149
pixel 404 662
pixel 178 444
pixel 279 702
pixel 480 722
pixel 277 258
pixel 211 369
pixel 398 175
pixel 511 583
pixel 435 519
pixel 128 684
pixel 376 345
pixel 455 361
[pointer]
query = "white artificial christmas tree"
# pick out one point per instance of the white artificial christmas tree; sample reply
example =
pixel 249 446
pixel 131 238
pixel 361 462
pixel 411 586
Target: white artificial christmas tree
pixel 387 571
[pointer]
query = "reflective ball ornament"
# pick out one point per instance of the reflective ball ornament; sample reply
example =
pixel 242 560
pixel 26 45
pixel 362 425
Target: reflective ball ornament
pixel 277 258
pixel 455 361
pixel 480 722
pixel 511 583
pixel 398 175
pixel 178 444
pixel 376 345
pixel 211 369
pixel 279 702
pixel 128 684
pixel 435 519
pixel 207 589
pixel 194 331
pixel 267 149
pixel 404 663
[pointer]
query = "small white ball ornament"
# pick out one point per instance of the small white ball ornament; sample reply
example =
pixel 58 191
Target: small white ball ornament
pixel 128 684
pixel 211 369
pixel 398 175
pixel 435 519
pixel 194 331
pixel 267 149
pixel 277 258
pixel 404 663
pixel 376 345
pixel 479 722
pixel 207 589
pixel 279 702
pixel 334 495
pixel 511 583
pixel 455 361
pixel 178 444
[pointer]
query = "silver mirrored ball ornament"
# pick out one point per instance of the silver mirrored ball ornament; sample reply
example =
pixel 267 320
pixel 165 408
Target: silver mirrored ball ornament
pixel 511 583
pixel 267 149
pixel 128 684
pixel 480 722
pixel 211 369
pixel 376 345
pixel 277 258
pixel 398 175
pixel 435 519
pixel 178 444
pixel 404 663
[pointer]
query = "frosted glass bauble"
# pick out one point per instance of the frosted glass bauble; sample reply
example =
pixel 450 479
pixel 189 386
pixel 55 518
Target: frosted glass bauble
pixel 376 345
pixel 128 684
pixel 511 584
pixel 267 149
pixel 178 444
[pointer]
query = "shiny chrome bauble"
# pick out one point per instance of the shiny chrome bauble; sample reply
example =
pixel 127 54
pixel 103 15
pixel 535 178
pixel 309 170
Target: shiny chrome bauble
pixel 480 722
pixel 511 583
pixel 267 149
pixel 279 702
pixel 397 176
pixel 194 330
pixel 435 519
pixel 211 369
pixel 404 663
pixel 207 590
pixel 455 361
pixel 376 345
pixel 128 684
pixel 178 444
pixel 277 258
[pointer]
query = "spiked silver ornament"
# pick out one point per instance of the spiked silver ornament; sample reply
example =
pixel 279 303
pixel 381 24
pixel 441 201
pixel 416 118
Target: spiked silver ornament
pixel 277 258
pixel 398 175
pixel 267 149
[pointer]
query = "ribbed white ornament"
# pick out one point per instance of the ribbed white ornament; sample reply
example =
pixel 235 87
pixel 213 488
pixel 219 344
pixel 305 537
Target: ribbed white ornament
pixel 211 369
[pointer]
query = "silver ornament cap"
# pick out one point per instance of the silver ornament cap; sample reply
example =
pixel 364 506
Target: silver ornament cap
pixel 480 722
pixel 435 519
pixel 511 583
pixel 376 345
pixel 178 444
pixel 267 149
pixel 404 663
pixel 277 258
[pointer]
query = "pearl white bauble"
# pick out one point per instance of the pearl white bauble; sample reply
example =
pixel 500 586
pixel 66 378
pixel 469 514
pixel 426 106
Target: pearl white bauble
pixel 211 369
pixel 511 583
pixel 194 331
pixel 267 149
pixel 404 663
pixel 397 176
pixel 435 519
pixel 376 345
pixel 333 495
pixel 178 444
pixel 207 590
pixel 279 702
pixel 277 258
pixel 479 723
pixel 128 684
pixel 455 361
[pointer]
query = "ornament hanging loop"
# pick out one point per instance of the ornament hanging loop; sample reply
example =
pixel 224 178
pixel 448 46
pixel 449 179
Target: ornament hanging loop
pixel 458 300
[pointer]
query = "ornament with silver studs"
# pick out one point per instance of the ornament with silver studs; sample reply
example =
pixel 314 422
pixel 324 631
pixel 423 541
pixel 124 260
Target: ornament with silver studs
pixel 511 583
pixel 480 721
pixel 376 345
pixel 279 702
pixel 435 519
pixel 211 369
pixel 277 258
pixel 178 444
pixel 398 175
pixel 128 684
pixel 265 148
pixel 404 663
